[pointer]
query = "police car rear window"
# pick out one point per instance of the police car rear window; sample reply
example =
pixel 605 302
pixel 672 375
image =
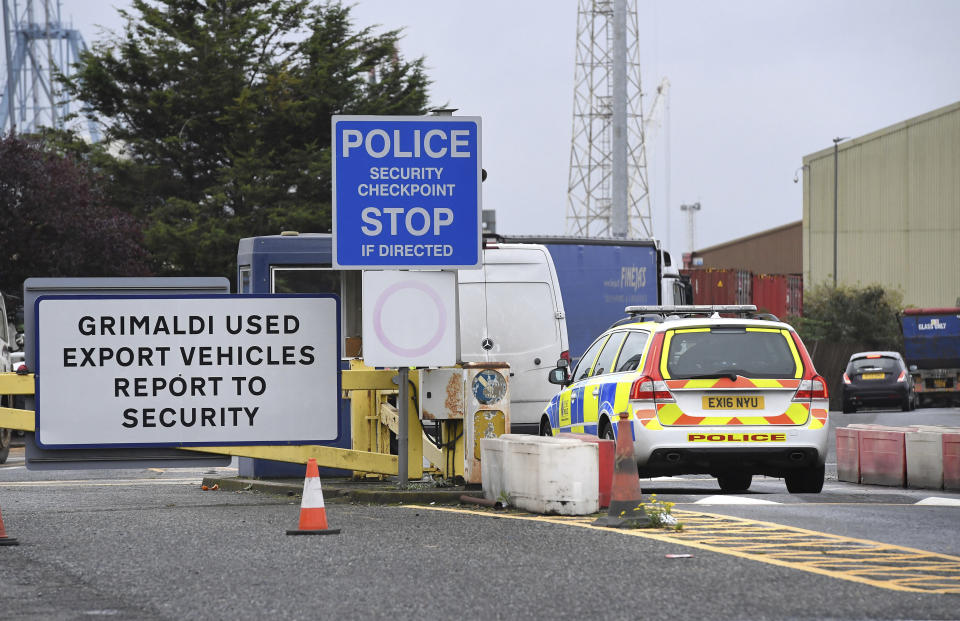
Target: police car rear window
pixel 717 352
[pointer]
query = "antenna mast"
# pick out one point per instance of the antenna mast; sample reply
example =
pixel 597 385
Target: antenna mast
pixel 37 48
pixel 608 194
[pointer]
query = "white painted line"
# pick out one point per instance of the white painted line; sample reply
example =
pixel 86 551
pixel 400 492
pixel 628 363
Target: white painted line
pixel 101 483
pixel 940 501
pixel 733 500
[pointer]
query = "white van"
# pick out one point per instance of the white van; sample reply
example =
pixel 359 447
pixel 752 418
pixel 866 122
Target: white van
pixel 511 311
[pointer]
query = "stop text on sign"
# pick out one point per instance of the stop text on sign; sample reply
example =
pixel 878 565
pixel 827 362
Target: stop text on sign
pixel 182 371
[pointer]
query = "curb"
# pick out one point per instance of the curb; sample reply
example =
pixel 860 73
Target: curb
pixel 338 491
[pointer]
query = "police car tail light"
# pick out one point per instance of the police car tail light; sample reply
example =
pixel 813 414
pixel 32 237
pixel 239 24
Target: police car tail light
pixel 810 389
pixel 902 377
pixel 648 389
pixel 846 379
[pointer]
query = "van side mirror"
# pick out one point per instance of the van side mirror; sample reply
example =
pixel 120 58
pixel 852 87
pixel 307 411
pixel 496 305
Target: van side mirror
pixel 559 375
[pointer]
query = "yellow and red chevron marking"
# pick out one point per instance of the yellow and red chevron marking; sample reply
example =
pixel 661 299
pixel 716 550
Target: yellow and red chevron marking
pixel 671 414
pixel 647 417
pixel 724 382
pixel 819 418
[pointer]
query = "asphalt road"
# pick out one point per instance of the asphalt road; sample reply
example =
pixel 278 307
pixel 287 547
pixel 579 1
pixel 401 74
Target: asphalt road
pixel 150 544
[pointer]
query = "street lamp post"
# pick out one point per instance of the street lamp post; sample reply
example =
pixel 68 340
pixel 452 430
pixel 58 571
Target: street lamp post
pixel 691 210
pixel 808 204
pixel 836 212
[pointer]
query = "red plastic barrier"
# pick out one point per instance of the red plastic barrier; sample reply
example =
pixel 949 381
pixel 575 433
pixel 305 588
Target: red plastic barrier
pixel 605 453
pixel 951 461
pixel 883 457
pixel 848 454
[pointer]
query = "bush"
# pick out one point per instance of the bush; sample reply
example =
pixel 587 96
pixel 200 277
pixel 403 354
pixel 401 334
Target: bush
pixel 846 314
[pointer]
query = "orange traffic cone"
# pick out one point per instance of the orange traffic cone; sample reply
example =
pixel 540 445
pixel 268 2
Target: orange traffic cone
pixel 313 515
pixel 4 540
pixel 626 509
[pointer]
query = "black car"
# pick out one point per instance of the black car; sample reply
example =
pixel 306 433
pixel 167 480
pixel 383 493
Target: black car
pixel 877 378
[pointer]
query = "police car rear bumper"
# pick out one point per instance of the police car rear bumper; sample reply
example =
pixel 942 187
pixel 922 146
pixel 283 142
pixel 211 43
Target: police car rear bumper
pixel 769 461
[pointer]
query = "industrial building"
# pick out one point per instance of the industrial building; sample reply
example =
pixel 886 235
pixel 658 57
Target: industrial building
pixel 774 251
pixel 891 213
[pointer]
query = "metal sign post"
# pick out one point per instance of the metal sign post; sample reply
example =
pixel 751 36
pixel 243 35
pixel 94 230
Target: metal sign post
pixel 406 195
pixel 403 408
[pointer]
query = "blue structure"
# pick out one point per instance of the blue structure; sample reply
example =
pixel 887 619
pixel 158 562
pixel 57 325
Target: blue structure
pixel 301 263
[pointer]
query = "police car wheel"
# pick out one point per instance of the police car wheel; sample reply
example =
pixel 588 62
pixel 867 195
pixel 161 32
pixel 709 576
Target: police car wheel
pixel 805 481
pixel 545 428
pixel 735 482
pixel 606 432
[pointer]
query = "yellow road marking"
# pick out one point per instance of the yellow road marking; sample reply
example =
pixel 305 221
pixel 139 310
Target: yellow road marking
pixel 882 565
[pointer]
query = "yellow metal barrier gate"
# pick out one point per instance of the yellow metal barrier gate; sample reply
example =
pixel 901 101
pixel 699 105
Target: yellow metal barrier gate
pixel 372 417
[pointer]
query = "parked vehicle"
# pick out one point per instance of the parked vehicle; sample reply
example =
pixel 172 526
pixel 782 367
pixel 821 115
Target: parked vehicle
pixel 726 396
pixel 512 311
pixel 599 277
pixel 877 378
pixel 931 343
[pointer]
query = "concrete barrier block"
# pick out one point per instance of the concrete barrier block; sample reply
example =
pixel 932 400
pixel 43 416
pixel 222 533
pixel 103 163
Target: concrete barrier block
pixel 951 461
pixel 848 454
pixel 882 457
pixel 492 473
pixel 605 454
pixel 541 474
pixel 924 455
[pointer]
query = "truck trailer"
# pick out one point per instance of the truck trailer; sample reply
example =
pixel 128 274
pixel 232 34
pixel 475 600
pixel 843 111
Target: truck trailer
pixel 931 343
pixel 600 277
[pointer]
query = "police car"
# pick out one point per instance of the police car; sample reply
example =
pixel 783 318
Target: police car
pixel 727 396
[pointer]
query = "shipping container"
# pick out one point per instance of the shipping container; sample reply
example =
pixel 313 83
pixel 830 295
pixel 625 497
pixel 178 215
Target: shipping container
pixel 770 293
pixel 717 286
pixel 780 294
pixel 794 295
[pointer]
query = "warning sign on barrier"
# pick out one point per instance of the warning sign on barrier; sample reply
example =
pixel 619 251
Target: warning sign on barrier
pixel 139 371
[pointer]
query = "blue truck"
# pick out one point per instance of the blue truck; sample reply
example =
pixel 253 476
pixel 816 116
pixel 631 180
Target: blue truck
pixel 600 277
pixel 931 343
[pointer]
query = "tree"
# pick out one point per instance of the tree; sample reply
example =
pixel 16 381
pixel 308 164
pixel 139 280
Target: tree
pixel 56 221
pixel 222 110
pixel 867 316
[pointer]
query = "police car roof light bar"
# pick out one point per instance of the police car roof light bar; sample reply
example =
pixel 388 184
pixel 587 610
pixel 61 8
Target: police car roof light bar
pixel 695 309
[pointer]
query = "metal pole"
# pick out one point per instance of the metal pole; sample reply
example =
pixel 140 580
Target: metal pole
pixel 836 211
pixel 10 78
pixel 403 408
pixel 620 214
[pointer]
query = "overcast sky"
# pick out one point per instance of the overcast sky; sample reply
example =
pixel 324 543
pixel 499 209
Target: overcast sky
pixel 755 86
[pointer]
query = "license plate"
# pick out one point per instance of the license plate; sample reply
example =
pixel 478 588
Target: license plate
pixel 872 376
pixel 939 383
pixel 733 402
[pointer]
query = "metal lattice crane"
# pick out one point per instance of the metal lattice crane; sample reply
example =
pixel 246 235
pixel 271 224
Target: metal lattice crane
pixel 608 194
pixel 37 48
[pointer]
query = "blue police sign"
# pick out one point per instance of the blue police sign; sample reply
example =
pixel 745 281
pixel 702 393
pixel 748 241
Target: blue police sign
pixel 406 192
